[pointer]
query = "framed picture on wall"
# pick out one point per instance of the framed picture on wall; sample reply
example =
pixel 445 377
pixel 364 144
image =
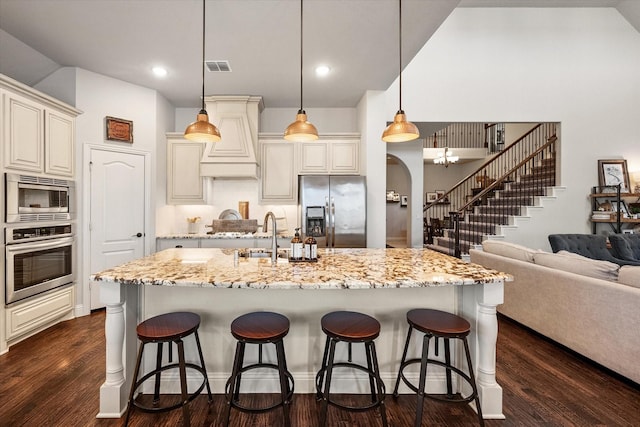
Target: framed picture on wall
pixel 432 197
pixel 612 173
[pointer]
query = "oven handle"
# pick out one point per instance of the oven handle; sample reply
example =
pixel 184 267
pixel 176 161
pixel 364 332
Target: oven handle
pixel 60 188
pixel 21 248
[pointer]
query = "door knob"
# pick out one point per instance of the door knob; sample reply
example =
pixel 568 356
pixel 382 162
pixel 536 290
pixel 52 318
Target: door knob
pixel 137 235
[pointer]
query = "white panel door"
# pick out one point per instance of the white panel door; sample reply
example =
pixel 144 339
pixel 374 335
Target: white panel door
pixel 117 211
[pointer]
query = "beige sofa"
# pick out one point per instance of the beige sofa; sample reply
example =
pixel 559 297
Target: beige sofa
pixel 596 317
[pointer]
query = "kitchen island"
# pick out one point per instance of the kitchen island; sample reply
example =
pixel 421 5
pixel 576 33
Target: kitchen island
pixel 384 283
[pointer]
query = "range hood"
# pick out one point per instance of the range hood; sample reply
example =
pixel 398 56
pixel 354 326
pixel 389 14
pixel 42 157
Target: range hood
pixel 234 156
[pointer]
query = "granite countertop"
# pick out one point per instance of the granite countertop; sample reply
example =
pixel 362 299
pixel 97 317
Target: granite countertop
pixel 335 269
pixel 227 235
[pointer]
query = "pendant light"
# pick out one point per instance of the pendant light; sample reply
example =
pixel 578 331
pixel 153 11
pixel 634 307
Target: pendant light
pixel 201 130
pixel 301 130
pixel 400 130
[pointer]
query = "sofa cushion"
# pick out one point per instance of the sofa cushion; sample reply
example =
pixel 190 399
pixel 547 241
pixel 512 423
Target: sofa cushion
pixel 625 246
pixel 509 250
pixel 629 275
pixel 574 263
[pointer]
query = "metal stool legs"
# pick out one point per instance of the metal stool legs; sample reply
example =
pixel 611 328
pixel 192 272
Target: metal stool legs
pixel 285 379
pixel 424 361
pixel 325 374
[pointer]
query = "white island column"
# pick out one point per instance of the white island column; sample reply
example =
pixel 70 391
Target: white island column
pixel 119 328
pixel 479 308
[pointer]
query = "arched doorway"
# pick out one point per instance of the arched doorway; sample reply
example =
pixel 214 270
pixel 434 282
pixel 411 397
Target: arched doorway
pixel 398 213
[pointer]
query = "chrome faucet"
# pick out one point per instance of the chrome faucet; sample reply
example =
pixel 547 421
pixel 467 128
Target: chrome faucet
pixel 274 241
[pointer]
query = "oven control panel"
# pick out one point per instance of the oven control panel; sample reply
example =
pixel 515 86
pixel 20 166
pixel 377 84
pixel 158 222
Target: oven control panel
pixel 40 232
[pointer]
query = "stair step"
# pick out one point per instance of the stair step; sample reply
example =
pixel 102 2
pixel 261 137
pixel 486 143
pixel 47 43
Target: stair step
pixel 541 183
pixel 538 176
pixel 493 219
pixel 525 191
pixel 484 227
pixel 497 210
pixel 511 201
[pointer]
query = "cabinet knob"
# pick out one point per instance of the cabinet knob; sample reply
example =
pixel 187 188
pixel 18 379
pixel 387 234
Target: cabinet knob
pixel 137 235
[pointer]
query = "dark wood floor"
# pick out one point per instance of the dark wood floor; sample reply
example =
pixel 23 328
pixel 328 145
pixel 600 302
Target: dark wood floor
pixel 52 379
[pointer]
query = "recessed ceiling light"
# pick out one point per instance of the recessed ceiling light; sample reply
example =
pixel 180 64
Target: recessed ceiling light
pixel 322 70
pixel 159 71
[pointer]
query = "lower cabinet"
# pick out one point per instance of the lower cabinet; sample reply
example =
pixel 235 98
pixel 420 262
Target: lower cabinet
pixel 162 244
pixel 25 318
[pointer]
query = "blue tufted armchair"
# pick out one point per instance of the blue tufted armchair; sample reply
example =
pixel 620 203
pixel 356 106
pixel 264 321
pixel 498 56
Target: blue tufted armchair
pixel 588 245
pixel 625 246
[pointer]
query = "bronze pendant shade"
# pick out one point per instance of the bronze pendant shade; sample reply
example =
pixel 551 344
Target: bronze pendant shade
pixel 301 130
pixel 202 130
pixel 400 130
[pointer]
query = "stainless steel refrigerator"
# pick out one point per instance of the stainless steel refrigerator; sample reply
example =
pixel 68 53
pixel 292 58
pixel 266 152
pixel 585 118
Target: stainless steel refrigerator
pixel 333 209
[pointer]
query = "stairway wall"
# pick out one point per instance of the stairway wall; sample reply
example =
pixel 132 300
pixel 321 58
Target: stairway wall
pixel 552 216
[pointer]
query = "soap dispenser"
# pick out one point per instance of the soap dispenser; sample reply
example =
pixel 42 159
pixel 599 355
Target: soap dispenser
pixel 311 248
pixel 296 247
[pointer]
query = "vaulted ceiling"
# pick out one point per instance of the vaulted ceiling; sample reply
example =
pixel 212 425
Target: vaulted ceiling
pixel 358 39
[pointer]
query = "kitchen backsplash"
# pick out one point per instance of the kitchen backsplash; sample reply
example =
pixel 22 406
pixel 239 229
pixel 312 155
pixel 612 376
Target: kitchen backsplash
pixel 225 194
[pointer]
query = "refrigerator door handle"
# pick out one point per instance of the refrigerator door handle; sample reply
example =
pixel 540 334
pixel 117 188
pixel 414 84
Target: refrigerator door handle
pixel 327 234
pixel 333 223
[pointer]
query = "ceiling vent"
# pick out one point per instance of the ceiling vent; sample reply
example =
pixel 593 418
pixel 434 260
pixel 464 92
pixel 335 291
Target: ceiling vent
pixel 218 66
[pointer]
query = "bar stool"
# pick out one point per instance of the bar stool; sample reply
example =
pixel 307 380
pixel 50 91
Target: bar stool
pixel 438 324
pixel 168 328
pixel 350 327
pixel 260 328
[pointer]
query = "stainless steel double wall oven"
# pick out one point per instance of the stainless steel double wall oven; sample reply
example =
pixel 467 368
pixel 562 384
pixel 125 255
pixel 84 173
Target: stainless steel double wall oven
pixel 39 235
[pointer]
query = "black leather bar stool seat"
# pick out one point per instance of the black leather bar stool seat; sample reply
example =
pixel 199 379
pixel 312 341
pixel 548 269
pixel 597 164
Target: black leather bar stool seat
pixel 350 327
pixel 438 324
pixel 260 328
pixel 168 328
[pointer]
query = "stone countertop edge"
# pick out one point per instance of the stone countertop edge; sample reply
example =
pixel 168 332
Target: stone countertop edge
pixel 336 269
pixel 224 236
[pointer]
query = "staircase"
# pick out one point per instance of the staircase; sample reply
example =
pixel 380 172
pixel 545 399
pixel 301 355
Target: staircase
pixel 499 209
pixel 490 198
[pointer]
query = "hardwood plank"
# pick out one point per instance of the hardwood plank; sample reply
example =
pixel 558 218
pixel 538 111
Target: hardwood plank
pixel 53 379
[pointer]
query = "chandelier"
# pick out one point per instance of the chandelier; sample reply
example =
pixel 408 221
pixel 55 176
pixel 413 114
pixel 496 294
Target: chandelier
pixel 445 158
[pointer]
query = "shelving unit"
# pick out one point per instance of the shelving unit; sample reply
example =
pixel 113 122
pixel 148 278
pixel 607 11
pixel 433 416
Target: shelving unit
pixel 611 193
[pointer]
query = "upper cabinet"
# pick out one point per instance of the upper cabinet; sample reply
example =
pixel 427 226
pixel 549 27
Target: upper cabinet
pixel 38 132
pixel 331 155
pixel 279 179
pixel 185 186
pixel 59 143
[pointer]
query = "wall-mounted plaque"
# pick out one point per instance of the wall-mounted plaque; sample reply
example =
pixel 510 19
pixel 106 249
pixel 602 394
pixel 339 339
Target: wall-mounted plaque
pixel 119 129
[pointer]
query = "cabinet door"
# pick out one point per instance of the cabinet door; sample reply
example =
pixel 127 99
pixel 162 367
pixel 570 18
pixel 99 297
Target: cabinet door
pixel 227 243
pixel 314 157
pixel 59 143
pixel 345 157
pixel 162 244
pixel 279 183
pixel 23 133
pixel 185 186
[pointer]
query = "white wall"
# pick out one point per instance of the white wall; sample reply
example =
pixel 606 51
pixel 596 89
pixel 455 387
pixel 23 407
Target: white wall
pixel 99 96
pixel 579 67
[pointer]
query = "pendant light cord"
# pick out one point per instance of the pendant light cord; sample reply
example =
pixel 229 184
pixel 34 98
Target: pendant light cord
pixel 400 51
pixel 202 65
pixel 301 40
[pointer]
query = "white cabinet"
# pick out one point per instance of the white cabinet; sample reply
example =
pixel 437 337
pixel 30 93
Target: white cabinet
pixel 185 186
pixel 227 243
pixel 279 178
pixel 23 133
pixel 38 132
pixel 59 142
pixel 162 244
pixel 331 154
pixel 24 318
